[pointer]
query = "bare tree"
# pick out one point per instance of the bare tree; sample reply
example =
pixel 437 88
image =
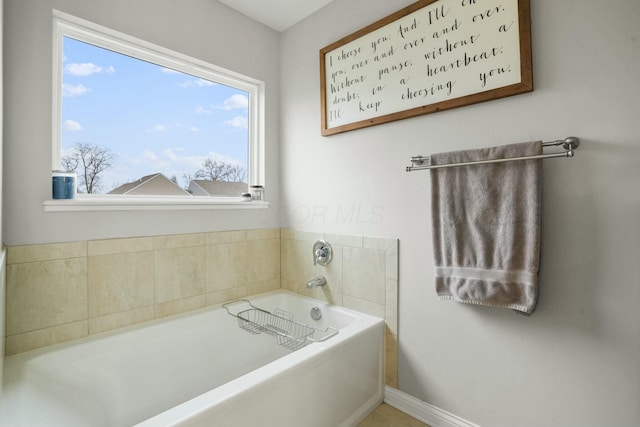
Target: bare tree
pixel 187 178
pixel 237 174
pixel 89 161
pixel 213 170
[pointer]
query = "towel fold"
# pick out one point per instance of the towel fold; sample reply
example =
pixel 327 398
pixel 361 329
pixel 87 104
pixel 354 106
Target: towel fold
pixel 486 227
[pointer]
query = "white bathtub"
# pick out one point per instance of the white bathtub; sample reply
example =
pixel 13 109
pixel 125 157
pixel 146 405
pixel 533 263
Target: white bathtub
pixel 201 369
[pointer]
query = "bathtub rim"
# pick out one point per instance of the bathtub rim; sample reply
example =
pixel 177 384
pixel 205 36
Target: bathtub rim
pixel 149 323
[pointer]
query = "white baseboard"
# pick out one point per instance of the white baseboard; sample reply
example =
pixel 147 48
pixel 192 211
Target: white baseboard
pixel 423 411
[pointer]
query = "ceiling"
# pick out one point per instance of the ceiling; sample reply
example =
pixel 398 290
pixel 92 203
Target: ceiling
pixel 277 14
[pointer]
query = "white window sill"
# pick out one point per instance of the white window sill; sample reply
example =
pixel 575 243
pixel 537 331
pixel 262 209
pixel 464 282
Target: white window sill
pixel 149 203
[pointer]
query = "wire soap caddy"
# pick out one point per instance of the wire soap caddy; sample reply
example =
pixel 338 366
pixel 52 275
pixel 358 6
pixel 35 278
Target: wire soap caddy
pixel 280 324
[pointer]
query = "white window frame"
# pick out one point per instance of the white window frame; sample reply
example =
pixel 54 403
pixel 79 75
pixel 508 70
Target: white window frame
pixel 89 32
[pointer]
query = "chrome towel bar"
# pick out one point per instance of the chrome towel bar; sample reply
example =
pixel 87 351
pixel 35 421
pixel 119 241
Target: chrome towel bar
pixel 568 144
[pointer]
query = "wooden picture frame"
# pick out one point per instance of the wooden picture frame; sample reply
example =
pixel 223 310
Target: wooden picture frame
pixel 430 56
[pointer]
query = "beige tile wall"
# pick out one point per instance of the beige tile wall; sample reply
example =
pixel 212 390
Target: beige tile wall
pixel 60 292
pixel 363 275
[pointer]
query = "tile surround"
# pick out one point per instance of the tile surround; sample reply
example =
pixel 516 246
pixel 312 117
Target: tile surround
pixel 179 273
pixel 61 289
pixel 120 282
pixel 64 291
pixel 363 275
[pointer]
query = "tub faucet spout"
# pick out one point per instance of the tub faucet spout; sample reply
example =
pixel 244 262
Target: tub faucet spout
pixel 316 281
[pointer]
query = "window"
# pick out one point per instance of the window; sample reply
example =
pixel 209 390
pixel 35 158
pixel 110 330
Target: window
pixel 135 119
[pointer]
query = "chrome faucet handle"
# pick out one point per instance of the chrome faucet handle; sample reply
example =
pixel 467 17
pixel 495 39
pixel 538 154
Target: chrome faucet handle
pixel 322 253
pixel 320 256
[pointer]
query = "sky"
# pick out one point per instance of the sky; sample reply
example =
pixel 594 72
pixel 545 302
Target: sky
pixel 153 119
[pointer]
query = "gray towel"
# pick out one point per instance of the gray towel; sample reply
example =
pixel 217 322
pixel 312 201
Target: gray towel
pixel 486 227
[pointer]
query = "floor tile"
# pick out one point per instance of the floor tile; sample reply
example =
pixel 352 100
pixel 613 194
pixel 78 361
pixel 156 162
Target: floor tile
pixel 388 416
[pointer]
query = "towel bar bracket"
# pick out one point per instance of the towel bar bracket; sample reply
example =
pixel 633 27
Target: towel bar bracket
pixel 571 143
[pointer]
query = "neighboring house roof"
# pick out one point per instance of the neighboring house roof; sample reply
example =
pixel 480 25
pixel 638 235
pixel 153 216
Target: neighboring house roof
pixel 205 187
pixel 151 185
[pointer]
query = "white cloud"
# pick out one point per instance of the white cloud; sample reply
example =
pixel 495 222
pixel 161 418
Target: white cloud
pixel 170 161
pixel 201 110
pixel 169 154
pixel 220 158
pixel 74 90
pixel 194 129
pixel 84 69
pixel 72 125
pixel 236 101
pixel 159 128
pixel 197 83
pixel 238 122
pixel 165 127
pixel 203 82
pixel 148 156
pixel 170 71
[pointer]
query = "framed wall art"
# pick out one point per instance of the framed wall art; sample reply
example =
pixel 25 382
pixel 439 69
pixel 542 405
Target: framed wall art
pixel 431 56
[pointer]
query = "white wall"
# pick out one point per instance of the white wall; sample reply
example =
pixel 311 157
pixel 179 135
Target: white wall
pixel 203 29
pixel 576 361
